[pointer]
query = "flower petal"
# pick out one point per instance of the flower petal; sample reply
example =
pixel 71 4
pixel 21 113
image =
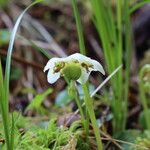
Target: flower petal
pixel 81 58
pixel 51 63
pixel 97 66
pixel 84 76
pixel 52 77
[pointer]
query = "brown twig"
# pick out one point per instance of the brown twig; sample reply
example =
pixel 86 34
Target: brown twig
pixel 128 143
pixel 110 139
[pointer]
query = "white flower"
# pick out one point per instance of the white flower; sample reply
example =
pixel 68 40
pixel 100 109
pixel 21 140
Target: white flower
pixel 57 67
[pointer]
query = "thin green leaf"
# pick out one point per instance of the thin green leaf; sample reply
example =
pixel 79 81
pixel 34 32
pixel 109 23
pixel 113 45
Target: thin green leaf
pixel 79 27
pixel 1 76
pixel 3 107
pixel 5 93
pixel 10 48
pixel 12 132
pixel 37 101
pixel 138 5
pixel 4 37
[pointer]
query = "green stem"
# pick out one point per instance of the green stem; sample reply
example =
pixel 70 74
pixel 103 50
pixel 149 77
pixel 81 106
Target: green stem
pixel 120 49
pixel 145 106
pixel 128 54
pixel 4 111
pixel 143 96
pixel 85 122
pixel 79 27
pixel 90 108
pixel 12 132
pixel 76 97
pixel 117 102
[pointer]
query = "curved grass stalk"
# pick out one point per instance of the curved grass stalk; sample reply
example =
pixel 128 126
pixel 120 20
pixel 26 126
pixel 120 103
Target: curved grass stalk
pixel 10 48
pixel 4 94
pixel 138 5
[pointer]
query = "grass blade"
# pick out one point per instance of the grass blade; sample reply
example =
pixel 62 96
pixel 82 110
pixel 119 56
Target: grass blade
pixel 3 108
pixel 139 5
pixel 79 27
pixel 10 48
pixel 5 85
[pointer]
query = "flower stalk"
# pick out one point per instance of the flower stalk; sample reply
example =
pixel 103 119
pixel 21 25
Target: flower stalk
pixel 73 94
pixel 72 91
pixel 90 108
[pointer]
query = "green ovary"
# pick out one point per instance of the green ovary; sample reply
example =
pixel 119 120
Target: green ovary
pixel 72 71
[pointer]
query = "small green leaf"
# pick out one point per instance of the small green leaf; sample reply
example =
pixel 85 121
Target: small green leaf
pixel 128 136
pixel 142 120
pixel 37 101
pixel 15 73
pixel 3 3
pixel 4 37
pixel 28 90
